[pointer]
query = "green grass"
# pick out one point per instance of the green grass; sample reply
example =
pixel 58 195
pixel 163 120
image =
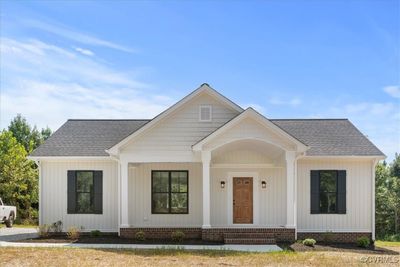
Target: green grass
pixel 380 243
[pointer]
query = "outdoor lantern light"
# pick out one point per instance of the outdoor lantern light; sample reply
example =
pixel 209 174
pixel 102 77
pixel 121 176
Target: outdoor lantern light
pixel 222 184
pixel 263 184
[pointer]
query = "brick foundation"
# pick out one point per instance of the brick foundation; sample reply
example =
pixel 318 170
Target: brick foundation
pixel 334 237
pixel 161 233
pixel 217 234
pixel 213 234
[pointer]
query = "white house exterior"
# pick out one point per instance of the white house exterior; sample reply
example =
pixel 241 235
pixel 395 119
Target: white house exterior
pixel 215 171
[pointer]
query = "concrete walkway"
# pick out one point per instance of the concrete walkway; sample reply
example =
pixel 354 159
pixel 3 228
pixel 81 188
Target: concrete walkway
pixel 8 235
pixel 16 233
pixel 246 248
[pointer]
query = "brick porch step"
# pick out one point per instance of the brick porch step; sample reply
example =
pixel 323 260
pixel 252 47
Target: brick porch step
pixel 248 235
pixel 250 241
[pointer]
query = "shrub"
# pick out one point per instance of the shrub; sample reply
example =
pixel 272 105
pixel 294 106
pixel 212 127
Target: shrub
pixel 73 233
pixel 140 236
pixel 392 238
pixel 43 230
pixel 56 227
pixel 95 233
pixel 177 236
pixel 309 242
pixel 363 241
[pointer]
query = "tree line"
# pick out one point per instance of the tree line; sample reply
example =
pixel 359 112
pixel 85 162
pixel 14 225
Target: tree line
pixel 18 175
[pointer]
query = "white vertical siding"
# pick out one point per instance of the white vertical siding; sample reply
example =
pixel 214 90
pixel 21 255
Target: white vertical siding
pixel 358 197
pixel 54 195
pixel 272 200
pixel 140 197
pixel 174 136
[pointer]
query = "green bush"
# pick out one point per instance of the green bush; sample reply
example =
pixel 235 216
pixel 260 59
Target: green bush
pixel 392 238
pixel 178 236
pixel 140 236
pixel 95 233
pixel 363 242
pixel 309 242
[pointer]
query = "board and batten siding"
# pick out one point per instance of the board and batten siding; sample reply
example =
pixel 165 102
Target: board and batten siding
pixel 358 197
pixel 54 195
pixel 140 196
pixel 271 206
pixel 172 138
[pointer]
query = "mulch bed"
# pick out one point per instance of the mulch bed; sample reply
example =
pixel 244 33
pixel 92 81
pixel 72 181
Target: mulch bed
pixel 299 247
pixel 112 240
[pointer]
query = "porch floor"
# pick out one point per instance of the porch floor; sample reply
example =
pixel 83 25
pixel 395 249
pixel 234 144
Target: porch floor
pixel 245 248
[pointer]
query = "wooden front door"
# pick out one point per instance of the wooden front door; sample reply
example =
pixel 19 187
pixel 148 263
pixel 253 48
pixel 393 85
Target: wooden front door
pixel 242 200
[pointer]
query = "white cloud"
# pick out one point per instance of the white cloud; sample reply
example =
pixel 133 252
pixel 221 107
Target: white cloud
pixel 70 34
pixel 85 52
pixel 49 84
pixel 380 121
pixel 393 91
pixel 285 102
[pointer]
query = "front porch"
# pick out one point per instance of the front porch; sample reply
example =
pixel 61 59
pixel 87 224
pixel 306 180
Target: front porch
pixel 217 208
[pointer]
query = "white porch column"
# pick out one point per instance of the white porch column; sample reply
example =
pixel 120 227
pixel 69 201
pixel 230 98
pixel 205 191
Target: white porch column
pixel 290 189
pixel 124 194
pixel 206 158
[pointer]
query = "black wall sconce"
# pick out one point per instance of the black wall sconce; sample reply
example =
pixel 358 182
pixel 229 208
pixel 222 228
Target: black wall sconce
pixel 263 184
pixel 222 184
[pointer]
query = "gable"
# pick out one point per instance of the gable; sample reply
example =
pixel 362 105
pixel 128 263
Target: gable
pixel 250 125
pixel 248 128
pixel 182 128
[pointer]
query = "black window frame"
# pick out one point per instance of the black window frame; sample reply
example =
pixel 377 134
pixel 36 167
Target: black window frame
pixel 326 192
pixel 170 192
pixel 96 194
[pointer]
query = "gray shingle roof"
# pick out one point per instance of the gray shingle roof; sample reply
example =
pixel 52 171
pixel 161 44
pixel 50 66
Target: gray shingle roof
pixel 87 137
pixel 326 137
pixel 330 137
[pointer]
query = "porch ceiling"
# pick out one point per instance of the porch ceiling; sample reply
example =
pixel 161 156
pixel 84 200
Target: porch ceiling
pixel 247 151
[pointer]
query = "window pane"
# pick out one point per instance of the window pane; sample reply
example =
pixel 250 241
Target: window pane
pixel 179 182
pixel 84 181
pixel 179 203
pixel 160 182
pixel 160 203
pixel 327 202
pixel 328 181
pixel 84 203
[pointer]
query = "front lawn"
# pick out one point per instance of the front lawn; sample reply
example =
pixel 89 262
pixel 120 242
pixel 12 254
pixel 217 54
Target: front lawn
pixel 160 257
pixel 387 244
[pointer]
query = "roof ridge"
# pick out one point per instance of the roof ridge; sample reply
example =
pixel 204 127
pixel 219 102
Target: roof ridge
pixel 317 119
pixel 109 119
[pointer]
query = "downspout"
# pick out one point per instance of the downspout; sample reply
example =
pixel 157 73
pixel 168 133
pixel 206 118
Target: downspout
pixel 374 162
pixel 38 163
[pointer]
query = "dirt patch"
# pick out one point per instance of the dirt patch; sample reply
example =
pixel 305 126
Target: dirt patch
pixel 299 247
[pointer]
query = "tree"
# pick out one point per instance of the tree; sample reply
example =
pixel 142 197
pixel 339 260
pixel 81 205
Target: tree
pixel 388 198
pixel 19 181
pixel 29 137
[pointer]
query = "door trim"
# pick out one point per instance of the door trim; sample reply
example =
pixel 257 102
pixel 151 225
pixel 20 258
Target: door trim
pixel 256 202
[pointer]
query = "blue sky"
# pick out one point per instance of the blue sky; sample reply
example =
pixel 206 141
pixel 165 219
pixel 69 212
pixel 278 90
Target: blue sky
pixel 128 59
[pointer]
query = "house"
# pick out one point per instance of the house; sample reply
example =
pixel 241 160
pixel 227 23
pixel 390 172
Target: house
pixel 213 170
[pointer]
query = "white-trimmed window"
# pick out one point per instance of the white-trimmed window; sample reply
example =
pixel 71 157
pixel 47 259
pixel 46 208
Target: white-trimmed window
pixel 205 113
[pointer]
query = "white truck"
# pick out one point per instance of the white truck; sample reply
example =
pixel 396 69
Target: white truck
pixel 7 214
